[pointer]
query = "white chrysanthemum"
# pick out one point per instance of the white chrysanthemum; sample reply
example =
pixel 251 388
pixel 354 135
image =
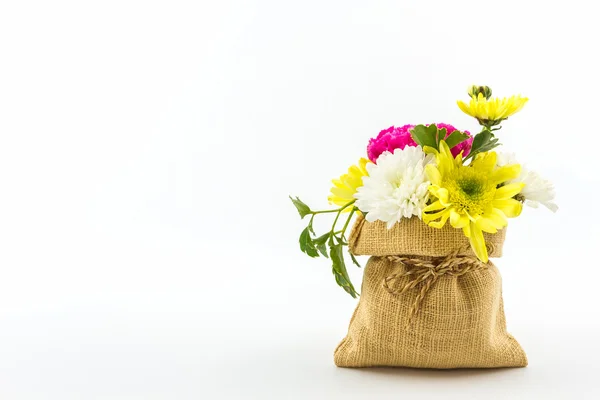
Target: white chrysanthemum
pixel 537 190
pixel 396 187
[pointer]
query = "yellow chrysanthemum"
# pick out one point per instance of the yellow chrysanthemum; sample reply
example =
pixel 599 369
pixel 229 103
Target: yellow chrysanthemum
pixel 494 109
pixel 470 196
pixel 344 188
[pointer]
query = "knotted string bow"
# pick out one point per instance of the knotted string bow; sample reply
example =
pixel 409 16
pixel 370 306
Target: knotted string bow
pixel 425 273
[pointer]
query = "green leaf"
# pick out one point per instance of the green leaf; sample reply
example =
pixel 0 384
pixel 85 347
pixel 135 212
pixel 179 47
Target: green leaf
pixel 302 208
pixel 455 138
pixel 425 135
pixel 306 244
pixel 339 269
pixel 310 226
pixel 321 244
pixel 322 239
pixel 322 249
pixel 440 135
pixel 304 240
pixel 489 145
pixel 482 142
pixel 354 260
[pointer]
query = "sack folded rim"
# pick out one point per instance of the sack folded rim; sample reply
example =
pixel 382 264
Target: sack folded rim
pixel 411 236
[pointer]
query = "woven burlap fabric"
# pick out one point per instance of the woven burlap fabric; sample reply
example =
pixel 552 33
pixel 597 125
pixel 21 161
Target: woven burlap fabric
pixel 459 324
pixel 413 237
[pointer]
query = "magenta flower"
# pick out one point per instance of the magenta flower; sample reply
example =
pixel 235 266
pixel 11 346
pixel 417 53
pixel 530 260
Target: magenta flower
pixel 394 138
pixel 390 139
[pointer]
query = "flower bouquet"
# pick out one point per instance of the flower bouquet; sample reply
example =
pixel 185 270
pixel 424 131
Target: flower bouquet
pixel 432 204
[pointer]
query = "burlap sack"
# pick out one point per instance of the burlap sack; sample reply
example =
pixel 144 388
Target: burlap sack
pixel 426 301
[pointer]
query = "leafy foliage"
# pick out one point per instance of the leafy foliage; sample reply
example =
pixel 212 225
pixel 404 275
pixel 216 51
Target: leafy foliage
pixel 425 135
pixel 307 245
pixel 339 269
pixel 431 136
pixel 320 244
pixel 455 138
pixel 482 142
pixel 302 208
pixel 329 245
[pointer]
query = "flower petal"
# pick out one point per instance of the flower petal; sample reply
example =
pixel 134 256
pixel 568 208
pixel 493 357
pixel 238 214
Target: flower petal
pixel 458 220
pixel 508 191
pixel 486 225
pixel 445 150
pixel 550 205
pixel 435 206
pixel 343 193
pixel 465 108
pixel 506 173
pixel 439 224
pixel 467 230
pixel 478 242
pixel 428 217
pixel 485 162
pixel 443 196
pixel 510 207
pixel 433 174
pixel 498 218
pixel 430 150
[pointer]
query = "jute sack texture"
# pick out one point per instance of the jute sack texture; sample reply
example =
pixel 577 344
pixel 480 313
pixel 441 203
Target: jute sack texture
pixel 426 301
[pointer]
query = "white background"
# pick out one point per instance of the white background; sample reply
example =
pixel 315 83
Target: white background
pixel 148 249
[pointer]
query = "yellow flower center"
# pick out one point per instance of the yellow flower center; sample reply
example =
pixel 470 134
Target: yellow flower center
pixel 470 190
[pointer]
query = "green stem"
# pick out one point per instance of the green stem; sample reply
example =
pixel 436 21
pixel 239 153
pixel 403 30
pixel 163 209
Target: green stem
pixel 338 215
pixel 348 221
pixel 326 211
pixel 335 210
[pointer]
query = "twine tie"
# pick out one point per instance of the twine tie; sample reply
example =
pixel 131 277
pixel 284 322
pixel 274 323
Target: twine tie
pixel 424 273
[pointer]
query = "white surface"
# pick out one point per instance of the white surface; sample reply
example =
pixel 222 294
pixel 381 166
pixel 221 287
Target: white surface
pixel 147 245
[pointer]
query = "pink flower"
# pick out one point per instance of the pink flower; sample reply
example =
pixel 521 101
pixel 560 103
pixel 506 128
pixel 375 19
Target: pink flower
pixel 390 139
pixel 394 138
